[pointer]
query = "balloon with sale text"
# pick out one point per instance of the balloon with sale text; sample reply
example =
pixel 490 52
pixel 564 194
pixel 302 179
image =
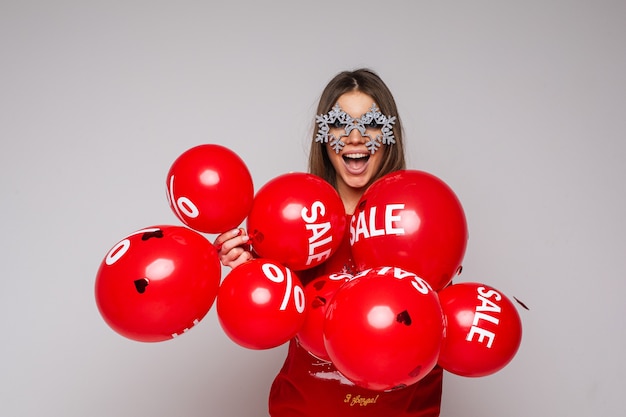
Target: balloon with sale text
pixel 483 329
pixel 297 219
pixel 261 304
pixel 383 328
pixel 413 220
pixel 209 188
pixel 157 283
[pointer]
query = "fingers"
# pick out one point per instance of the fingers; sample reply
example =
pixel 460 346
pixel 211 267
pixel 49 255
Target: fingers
pixel 243 257
pixel 233 248
pixel 231 239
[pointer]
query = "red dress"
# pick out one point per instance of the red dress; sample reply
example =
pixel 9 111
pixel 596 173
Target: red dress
pixel 307 386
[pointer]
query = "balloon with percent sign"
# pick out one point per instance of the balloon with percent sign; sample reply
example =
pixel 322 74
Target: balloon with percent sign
pixel 261 304
pixel 297 219
pixel 383 329
pixel 318 295
pixel 210 189
pixel 157 283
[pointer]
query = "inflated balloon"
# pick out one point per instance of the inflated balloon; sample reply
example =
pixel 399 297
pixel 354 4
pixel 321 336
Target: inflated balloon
pixel 261 304
pixel 483 329
pixel 383 329
pixel 157 283
pixel 413 220
pixel 318 294
pixel 297 219
pixel 210 189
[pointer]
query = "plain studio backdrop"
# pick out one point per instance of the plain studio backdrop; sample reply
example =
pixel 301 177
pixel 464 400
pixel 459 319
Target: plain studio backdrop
pixel 520 106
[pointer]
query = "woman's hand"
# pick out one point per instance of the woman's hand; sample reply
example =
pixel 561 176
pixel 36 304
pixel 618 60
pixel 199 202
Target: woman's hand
pixel 232 248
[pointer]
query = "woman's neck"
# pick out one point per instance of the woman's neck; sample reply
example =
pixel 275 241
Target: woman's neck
pixel 350 197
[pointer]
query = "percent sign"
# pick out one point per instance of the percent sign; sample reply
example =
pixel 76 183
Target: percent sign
pixel 275 274
pixel 181 204
pixel 123 245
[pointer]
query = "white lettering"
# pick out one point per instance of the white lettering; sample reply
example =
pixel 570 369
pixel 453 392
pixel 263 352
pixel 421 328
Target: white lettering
pixel 320 233
pixel 482 334
pixel 485 306
pixel 339 277
pixel 182 205
pixel 362 228
pixel 275 274
pixel 319 257
pixel 373 230
pixel 123 245
pixel 390 219
pixel 316 207
pixel 319 230
pixel 418 283
pixel 489 293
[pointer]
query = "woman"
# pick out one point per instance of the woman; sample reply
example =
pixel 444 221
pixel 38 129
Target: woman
pixel 358 140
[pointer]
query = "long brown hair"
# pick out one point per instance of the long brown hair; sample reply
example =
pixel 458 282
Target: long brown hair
pixel 368 82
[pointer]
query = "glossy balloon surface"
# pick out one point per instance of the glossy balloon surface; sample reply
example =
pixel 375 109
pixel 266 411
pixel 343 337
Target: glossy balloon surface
pixel 319 294
pixel 157 283
pixel 383 329
pixel 297 219
pixel 483 329
pixel 413 220
pixel 260 304
pixel 210 189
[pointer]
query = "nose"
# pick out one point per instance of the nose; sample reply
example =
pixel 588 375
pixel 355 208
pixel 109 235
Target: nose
pixel 355 136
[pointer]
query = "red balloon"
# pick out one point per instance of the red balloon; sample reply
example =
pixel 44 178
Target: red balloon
pixel 210 189
pixel 383 329
pixel 483 329
pixel 297 219
pixel 413 220
pixel 157 283
pixel 318 294
pixel 260 304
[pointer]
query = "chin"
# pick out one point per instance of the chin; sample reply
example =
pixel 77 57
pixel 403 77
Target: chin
pixel 358 183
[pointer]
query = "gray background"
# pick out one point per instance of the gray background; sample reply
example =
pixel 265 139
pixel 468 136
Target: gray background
pixel 518 105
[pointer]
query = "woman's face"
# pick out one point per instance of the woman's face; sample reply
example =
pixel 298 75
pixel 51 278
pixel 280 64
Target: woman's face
pixel 354 164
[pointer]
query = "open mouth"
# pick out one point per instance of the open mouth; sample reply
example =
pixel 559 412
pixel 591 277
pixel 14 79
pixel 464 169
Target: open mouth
pixel 356 157
pixel 356 162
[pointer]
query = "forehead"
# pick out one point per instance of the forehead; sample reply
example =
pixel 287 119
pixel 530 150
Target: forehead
pixel 355 103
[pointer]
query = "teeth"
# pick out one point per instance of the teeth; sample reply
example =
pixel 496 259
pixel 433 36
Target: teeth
pixel 355 155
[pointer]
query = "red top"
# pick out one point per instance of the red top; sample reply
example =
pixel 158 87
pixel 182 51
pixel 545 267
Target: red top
pixel 307 386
